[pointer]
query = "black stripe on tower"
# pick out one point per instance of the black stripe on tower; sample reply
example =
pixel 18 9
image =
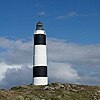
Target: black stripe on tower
pixel 39 39
pixel 40 71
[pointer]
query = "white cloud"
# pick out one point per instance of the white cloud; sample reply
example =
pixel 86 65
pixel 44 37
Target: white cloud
pixel 62 72
pixel 42 13
pixel 73 53
pixel 16 52
pixel 6 43
pixel 4 67
pixel 16 76
pixel 71 14
pixel 67 62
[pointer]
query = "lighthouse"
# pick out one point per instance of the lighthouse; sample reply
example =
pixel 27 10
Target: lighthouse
pixel 40 56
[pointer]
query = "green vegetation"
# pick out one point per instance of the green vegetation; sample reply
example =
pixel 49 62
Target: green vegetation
pixel 53 91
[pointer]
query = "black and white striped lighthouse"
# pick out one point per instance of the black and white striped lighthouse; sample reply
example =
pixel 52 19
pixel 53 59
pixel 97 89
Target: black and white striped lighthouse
pixel 40 56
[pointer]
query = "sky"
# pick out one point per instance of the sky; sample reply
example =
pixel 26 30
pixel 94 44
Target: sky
pixel 73 40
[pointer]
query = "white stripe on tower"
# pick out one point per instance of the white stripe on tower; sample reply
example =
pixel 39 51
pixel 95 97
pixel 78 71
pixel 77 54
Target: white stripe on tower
pixel 40 56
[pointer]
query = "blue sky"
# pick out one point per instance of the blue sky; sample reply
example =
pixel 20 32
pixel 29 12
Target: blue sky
pixel 73 40
pixel 73 20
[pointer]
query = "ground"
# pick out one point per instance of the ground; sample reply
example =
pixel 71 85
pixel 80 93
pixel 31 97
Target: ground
pixel 53 91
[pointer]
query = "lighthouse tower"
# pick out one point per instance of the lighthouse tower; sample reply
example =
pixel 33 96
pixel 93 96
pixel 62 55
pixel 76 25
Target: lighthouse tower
pixel 40 56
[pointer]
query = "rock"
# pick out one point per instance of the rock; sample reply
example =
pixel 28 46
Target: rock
pixel 73 90
pixel 46 88
pixel 19 97
pixel 52 88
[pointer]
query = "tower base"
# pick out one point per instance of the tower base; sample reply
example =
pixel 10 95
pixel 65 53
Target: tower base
pixel 40 80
